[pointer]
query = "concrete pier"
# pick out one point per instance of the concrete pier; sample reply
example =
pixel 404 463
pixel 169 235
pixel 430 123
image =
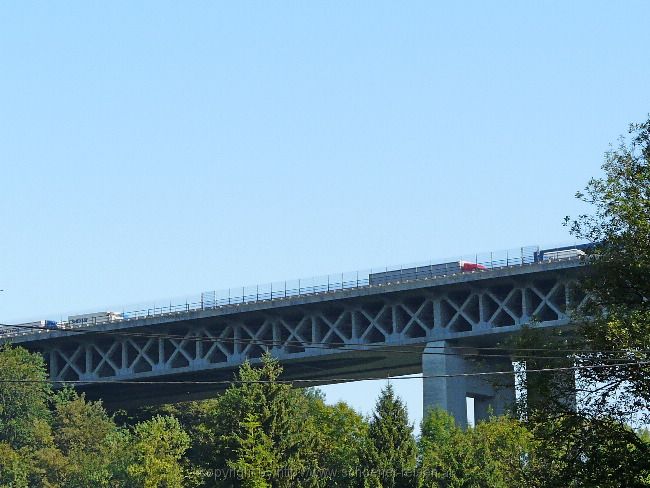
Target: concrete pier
pixel 492 394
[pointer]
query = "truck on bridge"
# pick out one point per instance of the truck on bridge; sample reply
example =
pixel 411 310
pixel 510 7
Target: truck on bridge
pixel 423 272
pixel 28 326
pixel 94 318
pixel 73 320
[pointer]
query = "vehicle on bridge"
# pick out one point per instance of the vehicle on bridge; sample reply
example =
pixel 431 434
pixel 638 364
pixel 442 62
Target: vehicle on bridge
pixel 28 326
pixel 44 324
pixel 94 318
pixel 562 253
pixel 73 321
pixel 423 272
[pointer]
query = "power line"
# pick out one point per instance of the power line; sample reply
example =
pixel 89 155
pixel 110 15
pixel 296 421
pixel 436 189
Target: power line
pixel 321 380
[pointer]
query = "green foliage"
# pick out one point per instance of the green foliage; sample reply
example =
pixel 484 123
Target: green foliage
pixel 277 408
pixel 80 425
pixel 282 418
pixel 14 467
pixel 24 393
pixel 618 318
pixel 75 443
pixel 391 450
pixel 644 435
pixel 158 445
pixel 593 446
pixel 574 451
pixel 341 436
pixel 256 459
pixel 83 434
pixel 262 431
pixel 495 454
pixel 442 451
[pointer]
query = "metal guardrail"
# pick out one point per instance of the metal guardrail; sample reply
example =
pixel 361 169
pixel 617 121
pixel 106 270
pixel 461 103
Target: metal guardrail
pixel 304 286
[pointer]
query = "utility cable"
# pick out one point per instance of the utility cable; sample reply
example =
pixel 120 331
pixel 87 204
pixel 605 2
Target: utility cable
pixel 375 378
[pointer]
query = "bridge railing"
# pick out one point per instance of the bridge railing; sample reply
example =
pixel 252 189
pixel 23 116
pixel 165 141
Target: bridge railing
pixel 234 297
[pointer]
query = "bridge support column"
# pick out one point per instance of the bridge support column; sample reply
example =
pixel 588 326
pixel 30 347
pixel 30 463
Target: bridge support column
pixel 491 393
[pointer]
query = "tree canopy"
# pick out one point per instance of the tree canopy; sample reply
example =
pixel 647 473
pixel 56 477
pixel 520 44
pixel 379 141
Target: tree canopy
pixel 391 452
pixel 616 325
pixel 60 439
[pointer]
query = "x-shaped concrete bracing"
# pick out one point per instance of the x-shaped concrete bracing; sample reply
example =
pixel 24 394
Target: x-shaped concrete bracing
pixel 298 331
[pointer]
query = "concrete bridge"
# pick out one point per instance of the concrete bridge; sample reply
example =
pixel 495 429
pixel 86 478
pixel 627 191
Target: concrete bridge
pixel 428 325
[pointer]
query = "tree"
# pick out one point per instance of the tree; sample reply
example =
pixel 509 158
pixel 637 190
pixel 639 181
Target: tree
pixel 616 325
pixel 24 394
pixel 87 447
pixel 341 435
pixel 256 460
pixel 14 467
pixel 443 452
pixel 83 433
pixel 497 453
pixel 281 415
pixel 25 419
pixel 59 439
pixel 575 451
pixel 590 443
pixel 391 450
pixel 262 430
pixel 158 445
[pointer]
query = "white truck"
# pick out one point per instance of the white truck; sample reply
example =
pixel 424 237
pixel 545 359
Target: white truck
pixel 93 318
pixel 563 254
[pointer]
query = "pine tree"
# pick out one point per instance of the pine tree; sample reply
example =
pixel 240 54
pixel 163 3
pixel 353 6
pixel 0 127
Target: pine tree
pixel 391 451
pixel 280 417
pixel 256 460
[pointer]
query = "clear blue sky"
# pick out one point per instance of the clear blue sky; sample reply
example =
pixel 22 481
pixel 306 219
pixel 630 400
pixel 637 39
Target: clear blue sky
pixel 155 149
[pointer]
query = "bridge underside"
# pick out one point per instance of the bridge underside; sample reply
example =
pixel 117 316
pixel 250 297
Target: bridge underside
pixel 325 368
pixel 319 370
